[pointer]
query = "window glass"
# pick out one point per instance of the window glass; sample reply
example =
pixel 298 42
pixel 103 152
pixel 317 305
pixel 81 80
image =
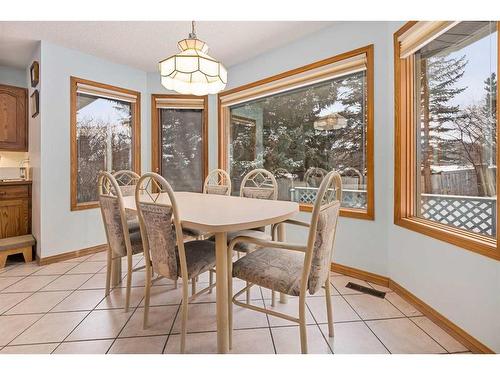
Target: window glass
pixel 182 158
pixel 104 141
pixel 302 134
pixel 455 94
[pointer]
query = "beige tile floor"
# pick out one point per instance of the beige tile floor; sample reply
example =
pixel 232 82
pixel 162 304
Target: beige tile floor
pixel 60 308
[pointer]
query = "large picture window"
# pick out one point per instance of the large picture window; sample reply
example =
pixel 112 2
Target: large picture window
pixel 105 131
pixel 446 131
pixel 179 131
pixel 302 124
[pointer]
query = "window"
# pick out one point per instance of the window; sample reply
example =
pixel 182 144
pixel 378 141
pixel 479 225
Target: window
pixel 105 135
pixel 446 132
pixel 302 124
pixel 179 134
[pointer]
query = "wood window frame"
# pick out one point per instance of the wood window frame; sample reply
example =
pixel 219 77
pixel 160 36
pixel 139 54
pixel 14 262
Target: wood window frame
pixel 136 135
pixel 156 130
pixel 369 212
pixel 405 159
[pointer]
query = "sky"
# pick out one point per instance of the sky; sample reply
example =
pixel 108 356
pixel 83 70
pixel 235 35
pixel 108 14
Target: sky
pixel 482 57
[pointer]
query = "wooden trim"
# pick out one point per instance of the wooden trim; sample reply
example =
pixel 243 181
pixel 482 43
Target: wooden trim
pixel 360 274
pixel 156 132
pixel 369 213
pixel 299 70
pixel 71 254
pixel 136 136
pixel 404 162
pixel 447 325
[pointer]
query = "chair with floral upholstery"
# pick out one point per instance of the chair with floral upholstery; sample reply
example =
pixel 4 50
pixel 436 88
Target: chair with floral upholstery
pixel 294 269
pixel 257 184
pixel 122 233
pixel 164 246
pixel 127 181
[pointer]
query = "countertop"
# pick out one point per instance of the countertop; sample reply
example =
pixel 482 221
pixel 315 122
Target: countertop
pixel 7 182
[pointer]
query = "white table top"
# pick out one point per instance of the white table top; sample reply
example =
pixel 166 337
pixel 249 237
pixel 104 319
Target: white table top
pixel 221 213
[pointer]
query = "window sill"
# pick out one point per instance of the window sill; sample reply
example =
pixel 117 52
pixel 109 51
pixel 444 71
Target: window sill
pixel 473 242
pixel 353 213
pixel 84 206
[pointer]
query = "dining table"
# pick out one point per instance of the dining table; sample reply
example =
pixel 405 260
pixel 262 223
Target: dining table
pixel 219 215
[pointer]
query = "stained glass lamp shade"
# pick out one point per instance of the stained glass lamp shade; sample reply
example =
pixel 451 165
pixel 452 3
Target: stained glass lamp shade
pixel 193 71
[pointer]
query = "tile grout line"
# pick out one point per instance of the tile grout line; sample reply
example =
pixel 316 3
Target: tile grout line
pixel 94 309
pixel 378 338
pixel 179 306
pixel 409 318
pixel 43 314
pixel 268 321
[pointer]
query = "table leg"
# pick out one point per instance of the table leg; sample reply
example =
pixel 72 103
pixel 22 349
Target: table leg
pixel 281 238
pixel 116 272
pixel 222 292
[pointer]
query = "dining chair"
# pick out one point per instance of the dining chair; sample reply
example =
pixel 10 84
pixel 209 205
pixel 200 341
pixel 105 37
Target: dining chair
pixel 293 269
pixel 257 184
pixel 164 246
pixel 217 182
pixel 123 235
pixel 127 181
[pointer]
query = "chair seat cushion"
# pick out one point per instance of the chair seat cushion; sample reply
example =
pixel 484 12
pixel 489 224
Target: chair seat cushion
pixel 247 247
pixel 192 232
pixel 275 269
pixel 200 257
pixel 136 242
pixel 133 225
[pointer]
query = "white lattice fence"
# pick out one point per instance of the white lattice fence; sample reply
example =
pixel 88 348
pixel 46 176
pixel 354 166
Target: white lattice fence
pixel 350 197
pixel 476 214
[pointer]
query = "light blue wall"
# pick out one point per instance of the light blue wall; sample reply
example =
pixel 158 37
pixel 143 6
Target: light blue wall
pixel 13 76
pixel 64 230
pixel 359 243
pixel 461 285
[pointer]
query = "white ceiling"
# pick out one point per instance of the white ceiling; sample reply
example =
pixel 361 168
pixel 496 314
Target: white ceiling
pixel 142 44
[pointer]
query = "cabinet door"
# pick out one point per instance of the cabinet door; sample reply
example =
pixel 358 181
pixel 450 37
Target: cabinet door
pixel 14 217
pixel 13 118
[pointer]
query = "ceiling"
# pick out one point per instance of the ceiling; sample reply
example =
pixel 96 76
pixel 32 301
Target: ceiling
pixel 141 44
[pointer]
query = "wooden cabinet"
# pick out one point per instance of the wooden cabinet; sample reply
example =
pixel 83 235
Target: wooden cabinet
pixel 15 209
pixel 13 118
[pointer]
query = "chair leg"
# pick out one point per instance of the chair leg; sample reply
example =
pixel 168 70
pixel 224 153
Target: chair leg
pixel 210 280
pixel 329 310
pixel 273 298
pixel 248 295
pixel 302 323
pixel 129 281
pixel 147 295
pixel 230 299
pixel 108 273
pixel 185 300
pixel 193 286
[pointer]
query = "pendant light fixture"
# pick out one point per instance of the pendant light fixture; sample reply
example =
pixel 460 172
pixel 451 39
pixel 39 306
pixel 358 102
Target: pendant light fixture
pixel 192 71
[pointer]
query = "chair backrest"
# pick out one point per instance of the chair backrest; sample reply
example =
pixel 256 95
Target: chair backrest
pixel 217 182
pixel 113 214
pixel 322 232
pixel 127 181
pixel 160 226
pixel 259 184
pixel 314 176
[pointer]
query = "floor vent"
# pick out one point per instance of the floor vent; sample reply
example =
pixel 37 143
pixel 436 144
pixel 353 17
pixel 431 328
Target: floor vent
pixel 364 289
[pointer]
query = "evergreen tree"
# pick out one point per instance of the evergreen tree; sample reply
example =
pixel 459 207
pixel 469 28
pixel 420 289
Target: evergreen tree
pixel 438 80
